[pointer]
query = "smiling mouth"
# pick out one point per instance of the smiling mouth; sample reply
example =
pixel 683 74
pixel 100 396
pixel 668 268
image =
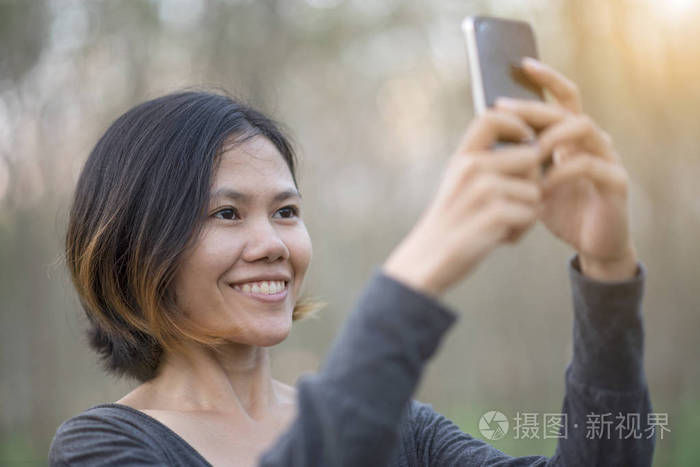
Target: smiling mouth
pixel 262 288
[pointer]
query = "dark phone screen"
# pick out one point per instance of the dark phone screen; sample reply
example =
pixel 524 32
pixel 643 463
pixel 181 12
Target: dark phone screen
pixel 501 45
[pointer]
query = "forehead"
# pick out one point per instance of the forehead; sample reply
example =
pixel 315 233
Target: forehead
pixel 253 166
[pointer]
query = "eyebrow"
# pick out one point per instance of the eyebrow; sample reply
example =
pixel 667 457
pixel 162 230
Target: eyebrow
pixel 242 197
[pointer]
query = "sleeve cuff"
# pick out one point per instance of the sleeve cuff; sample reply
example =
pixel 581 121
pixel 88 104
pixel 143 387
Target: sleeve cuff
pixel 608 334
pixel 426 317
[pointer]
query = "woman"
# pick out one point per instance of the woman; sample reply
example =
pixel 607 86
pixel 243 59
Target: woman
pixel 188 252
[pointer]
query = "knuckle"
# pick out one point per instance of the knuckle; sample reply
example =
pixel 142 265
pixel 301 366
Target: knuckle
pixel 615 156
pixel 585 121
pixel 489 117
pixel 624 188
pixel 469 167
pixel 484 185
pixel 624 178
pixel 527 214
pixel 562 112
pixel 532 156
pixel 573 89
pixel 501 119
pixel 606 137
pixel 586 164
pixel 593 162
pixel 497 209
pixel 535 192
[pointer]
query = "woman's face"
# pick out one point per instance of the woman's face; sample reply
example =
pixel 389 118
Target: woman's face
pixel 244 274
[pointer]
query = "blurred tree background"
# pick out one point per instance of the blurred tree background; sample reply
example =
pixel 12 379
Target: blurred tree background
pixel 375 93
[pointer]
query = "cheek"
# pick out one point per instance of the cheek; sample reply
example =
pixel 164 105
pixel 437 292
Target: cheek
pixel 300 252
pixel 209 261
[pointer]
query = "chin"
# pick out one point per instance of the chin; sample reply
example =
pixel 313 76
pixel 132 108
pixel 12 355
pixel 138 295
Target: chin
pixel 272 341
pixel 271 333
pixel 270 337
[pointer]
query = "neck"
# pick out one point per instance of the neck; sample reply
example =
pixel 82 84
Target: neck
pixel 235 381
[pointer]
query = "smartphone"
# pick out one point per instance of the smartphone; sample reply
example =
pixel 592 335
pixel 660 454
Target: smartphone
pixel 495 48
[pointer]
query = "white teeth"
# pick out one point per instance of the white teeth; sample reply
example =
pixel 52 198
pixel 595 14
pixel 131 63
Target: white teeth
pixel 263 287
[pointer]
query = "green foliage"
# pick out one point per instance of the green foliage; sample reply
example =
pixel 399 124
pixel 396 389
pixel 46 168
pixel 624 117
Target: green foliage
pixel 19 449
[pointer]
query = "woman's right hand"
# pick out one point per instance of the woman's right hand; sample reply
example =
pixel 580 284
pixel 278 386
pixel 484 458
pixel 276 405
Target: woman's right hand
pixel 486 197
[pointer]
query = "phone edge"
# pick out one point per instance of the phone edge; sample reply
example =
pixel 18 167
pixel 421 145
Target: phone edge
pixel 476 84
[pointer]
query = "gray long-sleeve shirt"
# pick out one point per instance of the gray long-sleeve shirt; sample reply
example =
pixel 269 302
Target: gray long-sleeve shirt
pixel 357 410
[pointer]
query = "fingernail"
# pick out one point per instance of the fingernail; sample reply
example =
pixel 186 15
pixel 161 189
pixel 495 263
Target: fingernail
pixel 505 102
pixel 531 62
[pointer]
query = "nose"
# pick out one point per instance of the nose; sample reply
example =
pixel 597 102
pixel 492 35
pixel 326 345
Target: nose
pixel 264 242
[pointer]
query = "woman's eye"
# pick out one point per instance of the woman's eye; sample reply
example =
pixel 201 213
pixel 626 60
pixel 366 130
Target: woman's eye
pixel 289 212
pixel 227 213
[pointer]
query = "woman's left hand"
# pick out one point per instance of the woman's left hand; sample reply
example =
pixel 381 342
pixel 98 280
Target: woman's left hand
pixel 586 187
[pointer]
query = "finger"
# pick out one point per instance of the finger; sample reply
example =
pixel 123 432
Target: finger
pixel 564 152
pixel 577 129
pixel 492 186
pixel 492 126
pixel 536 114
pixel 502 217
pixel 534 173
pixel 513 160
pixel 562 88
pixel 606 175
pixel 463 171
pixel 516 234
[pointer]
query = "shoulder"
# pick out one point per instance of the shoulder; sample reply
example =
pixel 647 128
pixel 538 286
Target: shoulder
pixel 105 434
pixel 418 417
pixel 425 424
pixel 434 439
pixel 116 418
pixel 419 413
